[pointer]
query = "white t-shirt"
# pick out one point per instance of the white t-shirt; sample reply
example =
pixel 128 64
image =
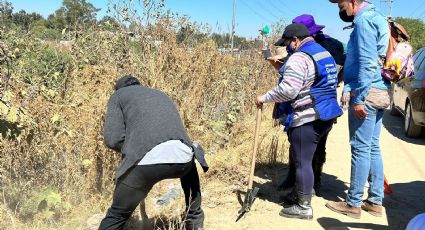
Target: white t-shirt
pixel 169 152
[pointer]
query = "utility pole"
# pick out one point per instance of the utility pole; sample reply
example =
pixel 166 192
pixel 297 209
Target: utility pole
pixel 389 5
pixel 233 26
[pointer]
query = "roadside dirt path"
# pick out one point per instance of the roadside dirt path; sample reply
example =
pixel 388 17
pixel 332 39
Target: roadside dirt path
pixel 404 163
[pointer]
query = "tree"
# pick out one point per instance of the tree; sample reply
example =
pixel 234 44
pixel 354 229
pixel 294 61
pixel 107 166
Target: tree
pixel 40 30
pixel 73 13
pixel 416 30
pixel 109 21
pixel 25 20
pixel 6 10
pixel 56 22
pixel 223 41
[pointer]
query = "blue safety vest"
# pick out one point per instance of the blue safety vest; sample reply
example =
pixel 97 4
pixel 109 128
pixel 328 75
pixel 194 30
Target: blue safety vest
pixel 323 90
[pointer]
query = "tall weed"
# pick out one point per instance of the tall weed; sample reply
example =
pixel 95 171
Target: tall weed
pixel 53 101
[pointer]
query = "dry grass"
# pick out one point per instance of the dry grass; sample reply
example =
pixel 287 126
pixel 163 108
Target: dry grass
pixel 52 150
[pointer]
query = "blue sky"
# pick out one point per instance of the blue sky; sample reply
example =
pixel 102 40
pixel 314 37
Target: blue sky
pixel 250 14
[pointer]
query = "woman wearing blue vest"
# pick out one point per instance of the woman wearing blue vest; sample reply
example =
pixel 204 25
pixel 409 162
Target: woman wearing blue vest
pixel 309 82
pixel 336 49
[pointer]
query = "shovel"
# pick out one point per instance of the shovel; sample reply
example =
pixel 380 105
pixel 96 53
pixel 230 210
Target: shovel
pixel 251 192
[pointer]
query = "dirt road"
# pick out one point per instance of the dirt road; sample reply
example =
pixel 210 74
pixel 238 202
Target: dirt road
pixel 404 166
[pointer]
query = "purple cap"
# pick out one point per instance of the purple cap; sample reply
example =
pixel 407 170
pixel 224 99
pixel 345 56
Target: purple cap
pixel 308 21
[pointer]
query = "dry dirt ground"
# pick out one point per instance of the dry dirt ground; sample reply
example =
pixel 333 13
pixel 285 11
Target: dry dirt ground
pixel 404 167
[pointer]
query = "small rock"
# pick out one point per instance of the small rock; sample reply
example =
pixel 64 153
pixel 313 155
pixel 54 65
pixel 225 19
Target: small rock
pixel 171 195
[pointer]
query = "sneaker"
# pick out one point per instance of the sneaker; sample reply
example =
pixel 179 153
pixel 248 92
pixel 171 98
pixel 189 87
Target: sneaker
pixel 374 209
pixel 344 208
pixel 296 211
pixel 301 210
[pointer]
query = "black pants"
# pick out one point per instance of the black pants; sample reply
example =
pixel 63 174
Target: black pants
pixel 319 158
pixel 305 141
pixel 135 186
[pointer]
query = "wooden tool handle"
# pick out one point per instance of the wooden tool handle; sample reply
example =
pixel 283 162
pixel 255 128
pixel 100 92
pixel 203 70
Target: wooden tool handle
pixel 254 152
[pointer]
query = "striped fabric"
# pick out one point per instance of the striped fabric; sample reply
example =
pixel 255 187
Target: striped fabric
pixel 298 78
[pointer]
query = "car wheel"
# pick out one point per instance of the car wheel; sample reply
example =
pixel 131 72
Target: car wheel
pixel 410 129
pixel 393 110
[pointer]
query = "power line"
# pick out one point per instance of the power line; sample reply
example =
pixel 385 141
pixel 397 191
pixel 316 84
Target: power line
pixel 269 11
pixel 291 11
pixel 422 15
pixel 273 5
pixel 277 7
pixel 255 12
pixel 416 9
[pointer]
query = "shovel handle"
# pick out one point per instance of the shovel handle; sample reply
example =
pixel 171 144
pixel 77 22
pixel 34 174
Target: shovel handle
pixel 254 152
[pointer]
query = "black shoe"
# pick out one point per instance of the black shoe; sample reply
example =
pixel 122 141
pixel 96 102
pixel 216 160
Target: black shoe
pixel 301 210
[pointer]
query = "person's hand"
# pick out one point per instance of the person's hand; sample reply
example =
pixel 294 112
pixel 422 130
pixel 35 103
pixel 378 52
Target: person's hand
pixel 271 60
pixel 359 111
pixel 345 100
pixel 275 62
pixel 259 101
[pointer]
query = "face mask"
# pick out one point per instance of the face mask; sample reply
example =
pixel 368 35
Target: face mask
pixel 344 17
pixel 289 49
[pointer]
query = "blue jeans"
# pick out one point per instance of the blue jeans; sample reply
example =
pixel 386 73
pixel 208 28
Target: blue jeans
pixel 366 160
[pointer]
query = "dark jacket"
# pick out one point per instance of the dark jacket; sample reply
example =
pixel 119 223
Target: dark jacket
pixel 333 46
pixel 139 118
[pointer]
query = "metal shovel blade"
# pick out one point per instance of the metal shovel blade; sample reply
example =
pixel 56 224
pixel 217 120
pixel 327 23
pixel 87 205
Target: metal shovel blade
pixel 250 196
